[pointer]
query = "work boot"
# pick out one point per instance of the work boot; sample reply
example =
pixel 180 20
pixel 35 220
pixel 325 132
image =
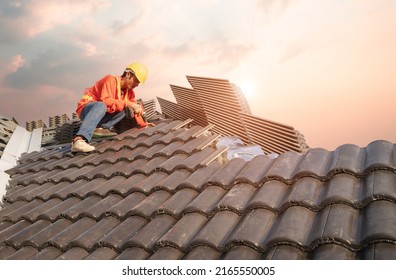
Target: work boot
pixel 103 132
pixel 82 146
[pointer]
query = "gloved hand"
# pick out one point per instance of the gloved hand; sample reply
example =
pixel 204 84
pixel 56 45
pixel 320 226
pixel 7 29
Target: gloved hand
pixel 129 113
pixel 136 108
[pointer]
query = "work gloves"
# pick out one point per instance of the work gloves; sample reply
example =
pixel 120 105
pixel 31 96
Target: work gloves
pixel 131 109
pixel 137 108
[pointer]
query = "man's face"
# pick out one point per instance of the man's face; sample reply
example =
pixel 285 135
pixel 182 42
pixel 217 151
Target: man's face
pixel 132 82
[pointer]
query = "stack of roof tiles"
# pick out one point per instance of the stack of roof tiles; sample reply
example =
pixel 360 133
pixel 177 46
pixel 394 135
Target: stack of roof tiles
pixel 163 193
pixel 58 120
pixel 30 126
pixel 7 127
pixel 221 103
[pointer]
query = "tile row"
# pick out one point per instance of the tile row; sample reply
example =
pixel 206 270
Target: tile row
pixel 288 168
pixel 279 252
pixel 276 195
pixel 114 151
pixel 122 167
pixel 259 229
pixel 158 131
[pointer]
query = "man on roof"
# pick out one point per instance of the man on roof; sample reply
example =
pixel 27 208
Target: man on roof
pixel 106 103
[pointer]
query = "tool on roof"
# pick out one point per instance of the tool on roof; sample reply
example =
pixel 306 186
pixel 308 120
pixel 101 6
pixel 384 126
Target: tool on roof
pixel 136 112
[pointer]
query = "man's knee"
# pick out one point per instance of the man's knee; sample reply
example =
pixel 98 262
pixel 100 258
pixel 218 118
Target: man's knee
pixel 101 106
pixel 95 109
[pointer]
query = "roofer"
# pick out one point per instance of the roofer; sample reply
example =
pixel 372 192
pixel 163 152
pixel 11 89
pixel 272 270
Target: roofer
pixel 108 102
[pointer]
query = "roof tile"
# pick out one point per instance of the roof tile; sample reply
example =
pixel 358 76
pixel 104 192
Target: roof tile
pixel 172 182
pixel 307 191
pixel 98 209
pixel 149 183
pixel 125 186
pixel 199 178
pixel 380 185
pixel 206 201
pixel 34 213
pixel 76 212
pixel 75 253
pixel 16 215
pixel 148 236
pixel 242 252
pixel 379 221
pixel 89 238
pixel 343 187
pixel 203 253
pixel 63 239
pixel 49 190
pixel 18 238
pixel 217 230
pixel 166 253
pixel 6 251
pixel 102 254
pixel 379 251
pixel 176 204
pixel 13 229
pixel 329 222
pixel 226 174
pixel 150 205
pixel 333 252
pixel 271 196
pixel 48 253
pixel 253 229
pixel 381 153
pixel 349 158
pixel 126 205
pixel 133 253
pixel 67 189
pixel 123 232
pixel 293 227
pixel 284 166
pixel 183 231
pixel 236 198
pixel 24 253
pixel 40 238
pixel 255 170
pixel 285 252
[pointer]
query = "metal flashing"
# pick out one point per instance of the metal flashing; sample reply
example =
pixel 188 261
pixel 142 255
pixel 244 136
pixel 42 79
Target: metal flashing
pixel 21 141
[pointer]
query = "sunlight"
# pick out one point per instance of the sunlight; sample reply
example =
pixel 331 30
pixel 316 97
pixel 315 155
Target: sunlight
pixel 247 88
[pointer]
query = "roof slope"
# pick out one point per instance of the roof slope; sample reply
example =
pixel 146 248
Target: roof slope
pixel 164 193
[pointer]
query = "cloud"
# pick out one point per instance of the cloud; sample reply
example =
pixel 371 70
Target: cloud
pixel 44 101
pixel 27 18
pixel 290 52
pixel 16 62
pixel 225 53
pixel 269 6
pixel 61 66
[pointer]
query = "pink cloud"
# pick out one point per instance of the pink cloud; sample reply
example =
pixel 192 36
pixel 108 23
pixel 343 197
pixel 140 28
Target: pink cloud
pixel 34 17
pixel 16 62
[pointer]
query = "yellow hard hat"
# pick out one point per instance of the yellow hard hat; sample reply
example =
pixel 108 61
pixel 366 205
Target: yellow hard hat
pixel 140 71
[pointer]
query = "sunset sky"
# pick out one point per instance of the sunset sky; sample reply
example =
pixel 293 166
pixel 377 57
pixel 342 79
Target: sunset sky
pixel 326 67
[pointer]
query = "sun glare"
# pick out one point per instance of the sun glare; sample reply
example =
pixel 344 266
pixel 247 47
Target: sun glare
pixel 247 88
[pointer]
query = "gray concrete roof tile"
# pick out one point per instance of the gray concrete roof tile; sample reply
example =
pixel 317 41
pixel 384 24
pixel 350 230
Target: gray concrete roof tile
pixel 148 236
pixel 48 253
pixel 216 231
pixel 102 253
pixel 75 253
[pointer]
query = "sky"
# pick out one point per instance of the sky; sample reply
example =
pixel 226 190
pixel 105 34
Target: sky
pixel 324 67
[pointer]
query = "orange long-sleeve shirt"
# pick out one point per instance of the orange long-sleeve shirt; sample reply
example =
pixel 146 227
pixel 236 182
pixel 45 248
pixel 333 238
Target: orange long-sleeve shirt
pixel 107 90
